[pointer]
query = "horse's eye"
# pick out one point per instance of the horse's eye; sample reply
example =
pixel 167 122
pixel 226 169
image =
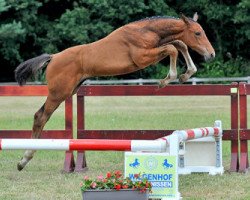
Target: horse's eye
pixel 197 33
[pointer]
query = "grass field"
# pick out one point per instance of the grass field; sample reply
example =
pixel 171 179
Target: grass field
pixel 42 178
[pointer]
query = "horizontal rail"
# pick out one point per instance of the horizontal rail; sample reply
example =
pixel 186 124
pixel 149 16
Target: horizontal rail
pixel 140 134
pixel 193 80
pixel 244 134
pixel 56 134
pixel 170 90
pixel 123 134
pixel 15 90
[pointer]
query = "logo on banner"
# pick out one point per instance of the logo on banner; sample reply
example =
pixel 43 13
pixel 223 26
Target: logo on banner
pixel 160 170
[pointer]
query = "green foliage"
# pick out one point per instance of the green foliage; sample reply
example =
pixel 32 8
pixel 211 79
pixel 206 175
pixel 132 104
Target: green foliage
pixel 242 17
pixel 17 20
pixel 242 20
pixel 230 68
pixel 3 6
pixel 10 36
pixel 30 28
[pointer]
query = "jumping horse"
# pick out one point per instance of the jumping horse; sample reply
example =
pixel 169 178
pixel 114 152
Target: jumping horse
pixel 127 49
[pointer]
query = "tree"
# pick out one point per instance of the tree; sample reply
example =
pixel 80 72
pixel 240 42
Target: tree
pixel 30 28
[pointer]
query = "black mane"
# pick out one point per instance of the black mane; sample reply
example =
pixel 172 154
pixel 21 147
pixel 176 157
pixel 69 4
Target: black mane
pixel 159 17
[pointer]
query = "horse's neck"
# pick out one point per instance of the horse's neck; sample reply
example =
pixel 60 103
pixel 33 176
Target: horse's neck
pixel 169 29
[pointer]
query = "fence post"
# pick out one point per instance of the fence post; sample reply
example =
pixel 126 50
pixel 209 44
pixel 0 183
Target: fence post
pixel 81 164
pixel 234 126
pixel 244 163
pixel 69 162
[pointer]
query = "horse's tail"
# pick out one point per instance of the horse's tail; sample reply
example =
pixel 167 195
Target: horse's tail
pixel 29 67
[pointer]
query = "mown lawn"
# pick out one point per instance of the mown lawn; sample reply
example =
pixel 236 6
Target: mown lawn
pixel 42 178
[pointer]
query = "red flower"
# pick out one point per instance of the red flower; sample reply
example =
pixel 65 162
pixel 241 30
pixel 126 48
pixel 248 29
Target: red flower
pixel 125 187
pixel 118 186
pixel 105 180
pixel 108 174
pixel 118 174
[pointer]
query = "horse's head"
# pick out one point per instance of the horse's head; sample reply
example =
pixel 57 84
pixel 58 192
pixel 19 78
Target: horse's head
pixel 195 37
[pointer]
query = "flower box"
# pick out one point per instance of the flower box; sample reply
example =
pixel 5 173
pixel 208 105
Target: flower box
pixel 124 194
pixel 115 187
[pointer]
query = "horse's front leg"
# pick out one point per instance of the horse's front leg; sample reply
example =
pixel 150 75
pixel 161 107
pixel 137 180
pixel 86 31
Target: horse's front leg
pixel 191 68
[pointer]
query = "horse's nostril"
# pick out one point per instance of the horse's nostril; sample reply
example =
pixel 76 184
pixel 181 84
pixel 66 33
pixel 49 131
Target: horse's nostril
pixel 212 55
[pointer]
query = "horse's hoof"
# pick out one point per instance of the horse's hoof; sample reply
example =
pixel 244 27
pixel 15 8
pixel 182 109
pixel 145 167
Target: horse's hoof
pixel 19 167
pixel 182 78
pixel 162 84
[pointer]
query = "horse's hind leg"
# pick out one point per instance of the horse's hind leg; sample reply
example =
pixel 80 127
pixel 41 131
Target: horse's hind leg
pixel 173 54
pixel 40 119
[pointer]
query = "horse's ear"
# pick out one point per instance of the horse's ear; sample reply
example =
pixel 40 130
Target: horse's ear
pixel 184 18
pixel 195 17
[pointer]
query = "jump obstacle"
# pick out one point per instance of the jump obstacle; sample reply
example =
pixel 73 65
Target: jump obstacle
pixel 238 134
pixel 168 146
pixel 159 145
pixel 231 91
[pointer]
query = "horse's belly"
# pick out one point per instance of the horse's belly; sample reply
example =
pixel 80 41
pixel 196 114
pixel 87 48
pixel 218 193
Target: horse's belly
pixel 109 60
pixel 111 69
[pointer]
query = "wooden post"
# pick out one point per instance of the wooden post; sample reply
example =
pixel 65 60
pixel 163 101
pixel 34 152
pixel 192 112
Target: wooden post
pixel 244 163
pixel 81 164
pixel 234 126
pixel 69 162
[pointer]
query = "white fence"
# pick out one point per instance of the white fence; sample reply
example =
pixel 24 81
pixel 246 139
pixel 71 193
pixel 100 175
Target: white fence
pixel 140 81
pixel 193 81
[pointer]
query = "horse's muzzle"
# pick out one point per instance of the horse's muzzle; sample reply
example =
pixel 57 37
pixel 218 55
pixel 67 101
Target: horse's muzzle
pixel 209 57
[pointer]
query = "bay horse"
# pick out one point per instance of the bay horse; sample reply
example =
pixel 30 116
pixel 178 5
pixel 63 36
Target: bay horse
pixel 127 49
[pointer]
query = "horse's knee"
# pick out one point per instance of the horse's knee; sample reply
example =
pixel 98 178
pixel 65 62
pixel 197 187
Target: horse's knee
pixel 172 51
pixel 181 46
pixel 39 113
pixel 38 122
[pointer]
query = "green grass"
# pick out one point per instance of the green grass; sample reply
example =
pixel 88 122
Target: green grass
pixel 42 178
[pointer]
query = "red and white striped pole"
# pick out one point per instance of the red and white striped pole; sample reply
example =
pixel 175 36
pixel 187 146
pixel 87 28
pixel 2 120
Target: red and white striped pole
pixel 196 133
pixel 83 144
